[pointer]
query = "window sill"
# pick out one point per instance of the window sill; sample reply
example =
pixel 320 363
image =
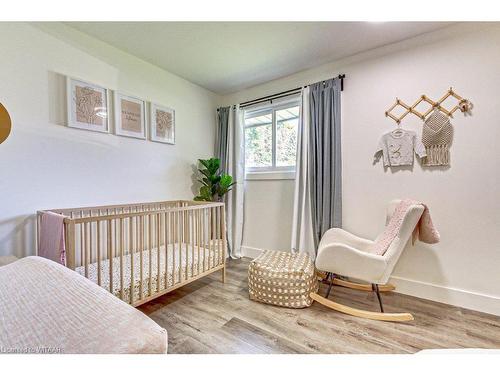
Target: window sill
pixel 272 175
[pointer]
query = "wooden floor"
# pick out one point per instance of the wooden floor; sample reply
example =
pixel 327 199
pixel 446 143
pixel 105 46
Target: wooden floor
pixel 207 316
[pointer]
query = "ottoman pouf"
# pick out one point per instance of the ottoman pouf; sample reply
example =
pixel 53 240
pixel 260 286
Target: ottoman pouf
pixel 282 278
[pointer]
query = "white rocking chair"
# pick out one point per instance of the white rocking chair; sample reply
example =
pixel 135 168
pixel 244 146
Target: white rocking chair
pixel 341 253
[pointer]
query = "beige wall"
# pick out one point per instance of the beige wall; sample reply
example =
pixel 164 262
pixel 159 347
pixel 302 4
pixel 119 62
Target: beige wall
pixel 464 200
pixel 44 164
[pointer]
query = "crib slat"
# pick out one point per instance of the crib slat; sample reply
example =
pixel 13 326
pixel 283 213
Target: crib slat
pixel 184 246
pixel 202 246
pixel 198 241
pixel 213 250
pixel 222 259
pixel 81 240
pixel 132 254
pixel 216 249
pixel 213 247
pixel 174 248
pixel 121 258
pixel 91 240
pixel 110 254
pixel 165 229
pixel 207 242
pixel 83 249
pixel 206 223
pixel 219 219
pixel 158 252
pixel 90 244
pixel 99 253
pixel 150 245
pixel 209 254
pixel 191 242
pixel 214 224
pixel 210 245
pixel 219 231
pixel 179 243
pixel 205 264
pixel 141 250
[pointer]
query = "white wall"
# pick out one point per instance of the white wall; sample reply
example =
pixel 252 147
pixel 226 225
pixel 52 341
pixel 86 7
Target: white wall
pixel 268 212
pixel 464 269
pixel 44 164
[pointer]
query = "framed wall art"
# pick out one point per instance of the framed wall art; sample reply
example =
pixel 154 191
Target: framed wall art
pixel 162 124
pixel 130 116
pixel 88 106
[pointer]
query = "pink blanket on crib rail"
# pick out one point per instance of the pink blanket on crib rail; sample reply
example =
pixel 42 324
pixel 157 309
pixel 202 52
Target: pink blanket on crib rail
pixel 424 231
pixel 52 244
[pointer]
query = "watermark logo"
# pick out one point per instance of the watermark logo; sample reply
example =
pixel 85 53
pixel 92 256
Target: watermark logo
pixel 31 350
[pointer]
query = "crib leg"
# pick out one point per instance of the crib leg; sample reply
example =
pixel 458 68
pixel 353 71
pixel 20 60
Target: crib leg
pixel 223 274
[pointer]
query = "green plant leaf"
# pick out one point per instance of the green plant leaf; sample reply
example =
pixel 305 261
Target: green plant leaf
pixel 204 162
pixel 215 183
pixel 225 180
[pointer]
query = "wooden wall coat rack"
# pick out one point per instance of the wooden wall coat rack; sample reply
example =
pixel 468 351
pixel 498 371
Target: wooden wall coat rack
pixel 463 105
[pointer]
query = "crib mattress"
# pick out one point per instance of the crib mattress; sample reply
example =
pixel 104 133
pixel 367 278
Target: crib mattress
pixel 181 258
pixel 47 308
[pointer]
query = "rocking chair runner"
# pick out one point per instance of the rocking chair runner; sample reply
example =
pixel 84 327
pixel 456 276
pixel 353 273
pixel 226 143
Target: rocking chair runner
pixel 342 253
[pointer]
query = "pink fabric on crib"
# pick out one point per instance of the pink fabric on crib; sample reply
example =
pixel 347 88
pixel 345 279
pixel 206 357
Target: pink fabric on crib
pixel 424 230
pixel 52 245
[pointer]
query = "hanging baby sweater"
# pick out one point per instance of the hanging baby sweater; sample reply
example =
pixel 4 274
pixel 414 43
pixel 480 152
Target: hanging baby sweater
pixel 398 148
pixel 437 135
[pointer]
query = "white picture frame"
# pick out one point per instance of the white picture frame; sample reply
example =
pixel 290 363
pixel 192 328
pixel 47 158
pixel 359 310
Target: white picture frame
pixel 130 116
pixel 87 106
pixel 162 124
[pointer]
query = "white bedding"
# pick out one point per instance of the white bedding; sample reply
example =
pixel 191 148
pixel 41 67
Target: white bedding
pixel 47 308
pixel 208 258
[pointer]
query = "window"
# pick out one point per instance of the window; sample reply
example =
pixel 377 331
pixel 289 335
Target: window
pixel 271 138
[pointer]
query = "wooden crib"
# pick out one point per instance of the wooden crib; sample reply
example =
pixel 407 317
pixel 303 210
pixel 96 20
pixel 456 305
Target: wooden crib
pixel 141 251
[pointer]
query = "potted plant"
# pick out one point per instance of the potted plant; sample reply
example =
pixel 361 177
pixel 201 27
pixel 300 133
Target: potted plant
pixel 215 183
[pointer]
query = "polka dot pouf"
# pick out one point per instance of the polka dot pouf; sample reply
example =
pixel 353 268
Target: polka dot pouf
pixel 283 279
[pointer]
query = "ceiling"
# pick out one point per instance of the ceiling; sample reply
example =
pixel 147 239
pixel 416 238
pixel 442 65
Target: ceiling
pixel 226 57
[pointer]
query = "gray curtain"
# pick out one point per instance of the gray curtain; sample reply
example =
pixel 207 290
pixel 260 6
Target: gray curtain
pixel 221 140
pixel 325 170
pixel 230 149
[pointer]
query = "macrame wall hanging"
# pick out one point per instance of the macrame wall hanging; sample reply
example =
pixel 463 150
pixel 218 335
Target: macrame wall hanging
pixel 437 132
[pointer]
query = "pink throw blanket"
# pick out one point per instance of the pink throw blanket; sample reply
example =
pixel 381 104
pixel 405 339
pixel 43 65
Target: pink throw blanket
pixel 424 230
pixel 52 245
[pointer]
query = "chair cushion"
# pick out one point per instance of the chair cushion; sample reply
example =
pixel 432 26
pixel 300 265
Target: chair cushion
pixel 282 279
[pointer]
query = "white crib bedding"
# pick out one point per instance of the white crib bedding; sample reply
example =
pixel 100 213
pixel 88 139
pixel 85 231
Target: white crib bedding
pixel 195 260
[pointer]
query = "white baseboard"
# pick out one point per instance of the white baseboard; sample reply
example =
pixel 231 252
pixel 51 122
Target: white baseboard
pixel 250 252
pixel 451 296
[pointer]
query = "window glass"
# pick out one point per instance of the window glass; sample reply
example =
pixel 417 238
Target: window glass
pixel 271 138
pixel 258 146
pixel 287 122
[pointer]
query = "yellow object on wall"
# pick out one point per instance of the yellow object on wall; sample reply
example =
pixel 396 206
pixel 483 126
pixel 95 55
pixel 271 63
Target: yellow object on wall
pixel 5 123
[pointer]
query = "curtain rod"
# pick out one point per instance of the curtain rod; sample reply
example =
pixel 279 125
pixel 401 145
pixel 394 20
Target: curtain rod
pixel 285 93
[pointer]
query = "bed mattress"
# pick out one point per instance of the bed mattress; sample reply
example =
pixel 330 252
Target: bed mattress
pixel 47 308
pixel 184 261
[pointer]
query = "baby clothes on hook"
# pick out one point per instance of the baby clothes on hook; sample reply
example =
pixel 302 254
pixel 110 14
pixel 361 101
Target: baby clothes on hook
pixel 398 146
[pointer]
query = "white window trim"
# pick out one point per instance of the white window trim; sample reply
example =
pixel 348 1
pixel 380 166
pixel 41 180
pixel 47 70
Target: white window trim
pixel 271 173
